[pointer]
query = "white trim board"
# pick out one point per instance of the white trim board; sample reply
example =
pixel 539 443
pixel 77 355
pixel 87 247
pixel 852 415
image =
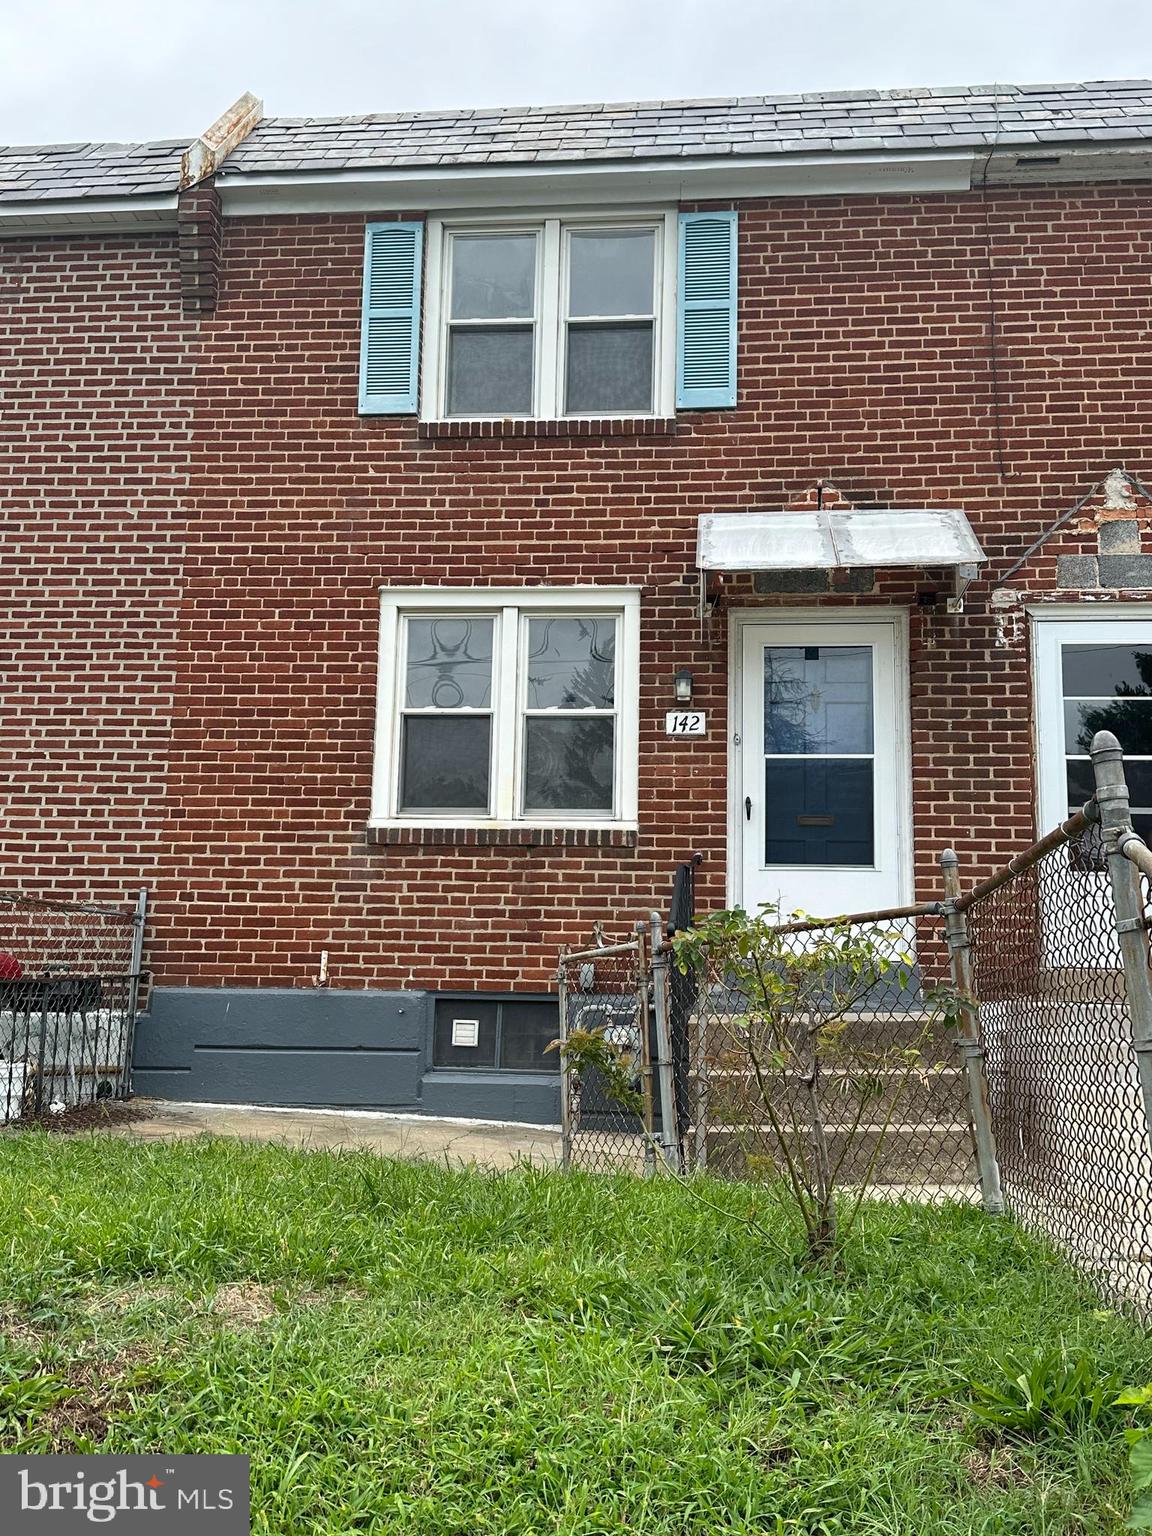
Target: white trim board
pixel 394 188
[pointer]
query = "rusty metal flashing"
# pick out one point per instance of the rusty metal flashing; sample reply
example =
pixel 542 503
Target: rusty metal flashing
pixel 206 154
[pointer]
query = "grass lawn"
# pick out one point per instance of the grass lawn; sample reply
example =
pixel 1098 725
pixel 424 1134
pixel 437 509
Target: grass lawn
pixel 405 1348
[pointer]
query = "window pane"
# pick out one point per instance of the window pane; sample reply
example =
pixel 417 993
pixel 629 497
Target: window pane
pixel 526 1032
pixel 449 664
pixel 818 812
pixel 611 273
pixel 609 368
pixel 568 764
pixel 1082 785
pixel 1094 671
pixel 445 763
pixel 490 371
pixel 571 663
pixel 468 1011
pixel 817 698
pixel 1130 721
pixel 493 277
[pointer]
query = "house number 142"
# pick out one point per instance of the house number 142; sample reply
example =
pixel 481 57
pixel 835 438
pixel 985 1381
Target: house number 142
pixel 684 722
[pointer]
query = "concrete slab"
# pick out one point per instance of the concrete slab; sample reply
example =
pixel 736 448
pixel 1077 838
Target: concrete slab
pixel 483 1143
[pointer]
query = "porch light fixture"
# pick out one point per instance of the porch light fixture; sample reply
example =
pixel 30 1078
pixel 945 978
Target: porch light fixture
pixel 683 686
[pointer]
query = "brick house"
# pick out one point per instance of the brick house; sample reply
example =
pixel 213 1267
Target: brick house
pixel 422 532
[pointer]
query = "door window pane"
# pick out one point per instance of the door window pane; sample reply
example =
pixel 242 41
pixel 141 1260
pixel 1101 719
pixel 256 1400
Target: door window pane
pixel 571 663
pixel 611 272
pixel 449 663
pixel 818 812
pixel 609 368
pixel 818 699
pixel 493 277
pixel 1098 671
pixel 490 370
pixel 568 763
pixel 444 763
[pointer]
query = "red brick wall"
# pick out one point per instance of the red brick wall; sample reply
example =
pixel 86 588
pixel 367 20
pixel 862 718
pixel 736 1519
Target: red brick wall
pixel 95 411
pixel 864 357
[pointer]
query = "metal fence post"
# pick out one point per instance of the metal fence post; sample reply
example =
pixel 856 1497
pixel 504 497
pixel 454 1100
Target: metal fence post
pixel 1128 900
pixel 665 1078
pixel 135 972
pixel 565 1070
pixel 970 1046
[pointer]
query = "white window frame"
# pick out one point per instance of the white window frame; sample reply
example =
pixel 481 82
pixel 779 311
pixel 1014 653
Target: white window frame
pixel 510 607
pixel 1052 628
pixel 551 317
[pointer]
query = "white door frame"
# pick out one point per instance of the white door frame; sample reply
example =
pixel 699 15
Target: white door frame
pixel 738 619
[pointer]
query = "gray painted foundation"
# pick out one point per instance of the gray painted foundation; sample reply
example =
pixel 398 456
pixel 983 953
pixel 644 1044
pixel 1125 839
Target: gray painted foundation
pixel 288 1046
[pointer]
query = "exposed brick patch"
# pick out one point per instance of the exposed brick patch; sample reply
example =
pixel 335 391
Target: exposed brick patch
pixel 606 427
pixel 503 837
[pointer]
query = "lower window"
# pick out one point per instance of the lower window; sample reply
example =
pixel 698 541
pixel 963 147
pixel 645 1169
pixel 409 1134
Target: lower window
pixel 512 1034
pixel 507 707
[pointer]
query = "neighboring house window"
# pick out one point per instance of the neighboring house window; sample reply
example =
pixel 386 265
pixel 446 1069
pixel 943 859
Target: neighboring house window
pixel 506 707
pixel 1093 675
pixel 551 318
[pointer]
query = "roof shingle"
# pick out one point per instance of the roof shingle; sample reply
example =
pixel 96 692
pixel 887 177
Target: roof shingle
pixel 975 117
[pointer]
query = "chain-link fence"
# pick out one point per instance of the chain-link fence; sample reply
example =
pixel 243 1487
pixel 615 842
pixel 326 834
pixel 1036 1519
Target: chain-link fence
pixel 1064 1091
pixel 995 1045
pixel 611 1123
pixel 69 979
pixel 845 1053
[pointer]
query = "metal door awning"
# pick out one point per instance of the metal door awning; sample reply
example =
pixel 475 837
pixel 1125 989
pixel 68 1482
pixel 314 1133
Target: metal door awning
pixel 840 539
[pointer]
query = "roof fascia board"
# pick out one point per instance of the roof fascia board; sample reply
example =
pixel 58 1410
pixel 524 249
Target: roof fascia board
pixel 89 215
pixel 678 180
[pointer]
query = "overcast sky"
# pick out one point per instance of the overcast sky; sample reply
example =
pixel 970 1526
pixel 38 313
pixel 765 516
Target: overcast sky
pixel 135 69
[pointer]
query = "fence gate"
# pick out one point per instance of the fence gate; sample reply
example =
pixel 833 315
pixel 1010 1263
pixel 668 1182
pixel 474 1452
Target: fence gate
pixel 70 974
pixel 620 993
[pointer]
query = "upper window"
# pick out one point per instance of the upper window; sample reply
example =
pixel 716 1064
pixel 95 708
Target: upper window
pixel 505 707
pixel 551 318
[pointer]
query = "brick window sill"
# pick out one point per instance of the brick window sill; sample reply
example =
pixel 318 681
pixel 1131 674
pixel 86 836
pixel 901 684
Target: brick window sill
pixel 513 427
pixel 503 837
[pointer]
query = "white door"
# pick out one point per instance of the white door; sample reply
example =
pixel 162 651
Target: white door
pixel 821 788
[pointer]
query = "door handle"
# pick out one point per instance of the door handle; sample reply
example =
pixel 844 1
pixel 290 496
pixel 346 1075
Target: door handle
pixel 748 807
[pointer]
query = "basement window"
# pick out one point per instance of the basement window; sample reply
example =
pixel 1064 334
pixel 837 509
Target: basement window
pixel 504 1034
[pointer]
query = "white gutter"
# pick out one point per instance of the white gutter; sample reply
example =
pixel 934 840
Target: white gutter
pixel 679 179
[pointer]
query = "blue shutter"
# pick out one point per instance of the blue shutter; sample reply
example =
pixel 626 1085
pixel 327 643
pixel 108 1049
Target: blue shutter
pixel 390 334
pixel 706 328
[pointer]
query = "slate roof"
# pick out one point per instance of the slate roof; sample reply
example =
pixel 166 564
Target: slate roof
pixel 933 118
pixel 43 172
pixel 970 117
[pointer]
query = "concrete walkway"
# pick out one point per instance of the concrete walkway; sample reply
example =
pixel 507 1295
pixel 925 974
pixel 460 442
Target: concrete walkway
pixel 484 1143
